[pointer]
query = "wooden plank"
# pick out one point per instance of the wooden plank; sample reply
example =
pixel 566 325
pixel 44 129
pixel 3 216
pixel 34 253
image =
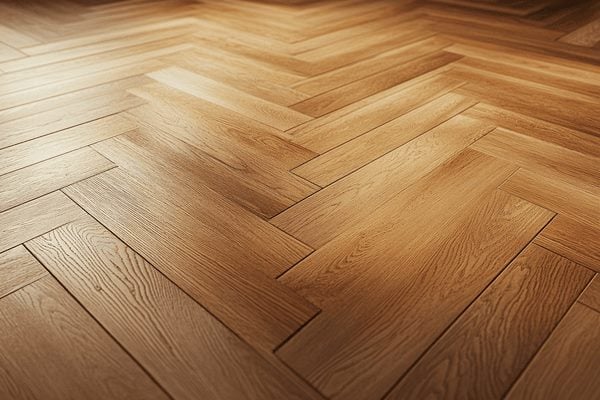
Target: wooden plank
pixel 226 96
pixel 47 176
pixel 353 72
pixel 558 196
pixel 167 236
pixel 57 119
pixel 440 195
pixel 382 326
pixel 536 102
pixel 16 38
pixel 217 220
pixel 548 159
pixel 587 36
pixel 8 53
pixel 220 132
pixel 337 98
pixel 187 350
pixel 52 349
pixel 565 368
pixel 43 148
pixel 576 241
pixel 350 156
pixel 354 197
pixel 500 332
pixel 35 218
pixel 591 295
pixel 18 268
pixel 324 133
pixel 538 129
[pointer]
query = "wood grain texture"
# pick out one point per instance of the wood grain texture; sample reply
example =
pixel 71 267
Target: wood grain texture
pixel 188 351
pixel 39 179
pixel 334 209
pixel 576 241
pixel 301 198
pixel 485 350
pixel 350 156
pixel 591 295
pixel 35 218
pixel 127 207
pixel 559 196
pixel 52 349
pixel 566 366
pixel 18 268
pixel 45 147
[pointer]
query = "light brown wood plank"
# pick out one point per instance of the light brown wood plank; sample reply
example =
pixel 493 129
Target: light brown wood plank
pixel 591 295
pixel 18 268
pixel 166 236
pixel 43 148
pixel 226 96
pixel 324 133
pixel 337 98
pixel 35 218
pixel 188 351
pixel 350 156
pixel 576 241
pixel 57 119
pixel 485 350
pixel 587 36
pixel 565 368
pixel 542 157
pixel 558 196
pixel 39 179
pixel 363 347
pixel 353 198
pixel 52 349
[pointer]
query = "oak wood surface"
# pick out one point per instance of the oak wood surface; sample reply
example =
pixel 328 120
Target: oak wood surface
pixel 281 199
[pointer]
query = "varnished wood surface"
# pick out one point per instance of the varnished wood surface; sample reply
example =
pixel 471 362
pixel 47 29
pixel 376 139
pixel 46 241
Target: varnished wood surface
pixel 295 199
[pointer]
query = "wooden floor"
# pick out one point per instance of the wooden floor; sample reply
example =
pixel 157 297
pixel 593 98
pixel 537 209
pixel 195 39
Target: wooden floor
pixel 226 199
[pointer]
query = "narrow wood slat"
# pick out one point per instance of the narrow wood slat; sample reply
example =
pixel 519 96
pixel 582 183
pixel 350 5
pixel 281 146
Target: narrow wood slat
pixel 558 196
pixel 269 113
pixel 45 147
pixel 485 350
pixel 188 351
pixel 18 268
pixel 35 218
pixel 57 119
pixel 52 349
pixel 350 156
pixel 39 179
pixel 337 98
pixel 576 241
pixel 566 365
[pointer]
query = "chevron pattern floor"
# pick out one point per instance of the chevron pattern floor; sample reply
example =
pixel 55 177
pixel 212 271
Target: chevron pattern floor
pixel 349 200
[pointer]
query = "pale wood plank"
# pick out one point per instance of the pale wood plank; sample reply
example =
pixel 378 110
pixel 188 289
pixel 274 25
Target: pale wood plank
pixel 355 153
pixel 36 217
pixel 339 206
pixel 18 268
pixel 226 96
pixel 45 147
pixel 47 176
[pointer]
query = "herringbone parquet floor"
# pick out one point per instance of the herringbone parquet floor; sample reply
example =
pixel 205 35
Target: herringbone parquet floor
pixel 226 199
